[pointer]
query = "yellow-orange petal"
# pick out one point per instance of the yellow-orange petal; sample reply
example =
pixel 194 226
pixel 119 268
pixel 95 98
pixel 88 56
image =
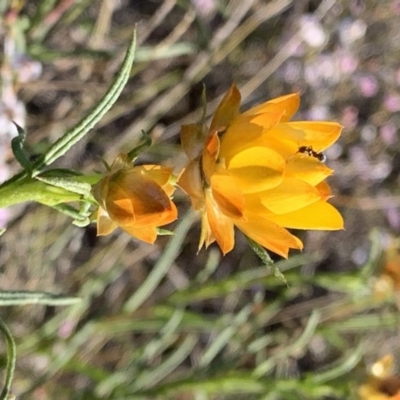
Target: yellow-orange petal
pixel 227 195
pixel 105 225
pixel 210 154
pixel 256 169
pixel 266 120
pixel 166 216
pixel 206 236
pixel 151 217
pixel 133 197
pixel 192 140
pixel 221 226
pixel 287 149
pixel 318 134
pixel 292 194
pixel 285 132
pixel 318 216
pixel 269 235
pixel 99 191
pixel 190 181
pixel 244 133
pixel 308 169
pixel 227 109
pixel 147 233
pixel 169 189
pixel 157 173
pixel 289 104
pixel 324 190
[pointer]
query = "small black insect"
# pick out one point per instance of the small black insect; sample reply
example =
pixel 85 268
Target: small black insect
pixel 312 153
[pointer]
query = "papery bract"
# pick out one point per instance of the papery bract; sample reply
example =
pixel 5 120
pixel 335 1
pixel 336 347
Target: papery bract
pixel 135 199
pixel 246 170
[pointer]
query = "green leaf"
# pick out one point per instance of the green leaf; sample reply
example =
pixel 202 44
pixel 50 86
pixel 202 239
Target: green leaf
pixel 33 190
pixel 164 232
pixel 81 217
pixel 69 184
pixel 147 142
pixel 266 259
pixel 18 149
pixel 62 145
pixel 22 297
pixel 59 172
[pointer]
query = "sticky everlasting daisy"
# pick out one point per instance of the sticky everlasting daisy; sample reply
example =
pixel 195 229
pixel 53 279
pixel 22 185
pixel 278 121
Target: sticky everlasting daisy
pixel 135 199
pixel 259 172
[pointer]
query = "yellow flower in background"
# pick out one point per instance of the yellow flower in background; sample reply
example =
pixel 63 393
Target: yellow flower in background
pixel 259 172
pixel 381 384
pixel 387 284
pixel 135 199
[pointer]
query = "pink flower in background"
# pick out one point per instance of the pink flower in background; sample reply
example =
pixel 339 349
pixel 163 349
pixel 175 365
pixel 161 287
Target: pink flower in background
pixel 349 117
pixel 368 85
pixel 348 63
pixel 204 7
pixel 388 133
pixel 392 102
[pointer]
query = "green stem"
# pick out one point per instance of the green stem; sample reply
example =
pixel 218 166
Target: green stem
pixel 33 190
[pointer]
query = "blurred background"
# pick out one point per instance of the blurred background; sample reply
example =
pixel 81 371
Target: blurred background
pixel 162 322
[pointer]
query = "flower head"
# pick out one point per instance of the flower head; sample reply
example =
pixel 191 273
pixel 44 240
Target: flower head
pixel 259 172
pixel 382 384
pixel 134 198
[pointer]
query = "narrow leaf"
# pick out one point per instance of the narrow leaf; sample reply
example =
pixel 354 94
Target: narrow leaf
pixel 69 184
pixel 62 145
pixel 142 146
pixel 18 149
pixel 21 297
pixel 266 259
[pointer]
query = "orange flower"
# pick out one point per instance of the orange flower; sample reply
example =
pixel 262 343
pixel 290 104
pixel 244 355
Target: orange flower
pixel 136 199
pixel 259 172
pixel 381 384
